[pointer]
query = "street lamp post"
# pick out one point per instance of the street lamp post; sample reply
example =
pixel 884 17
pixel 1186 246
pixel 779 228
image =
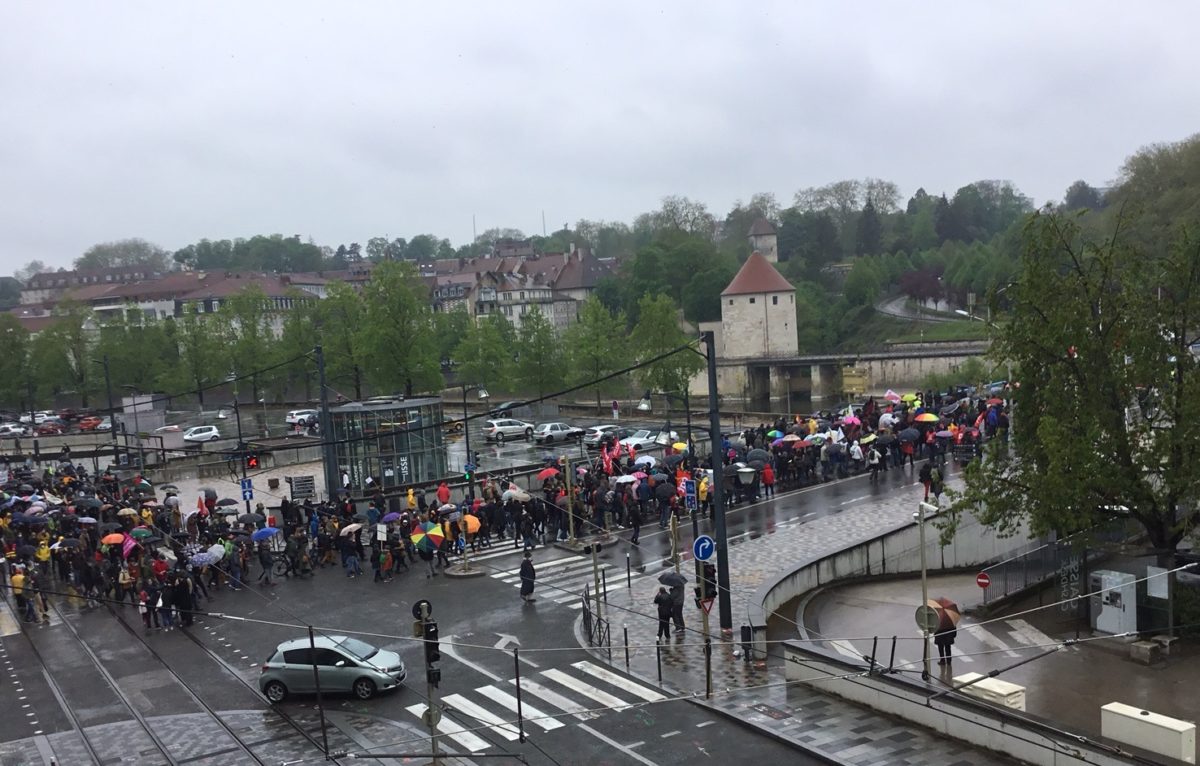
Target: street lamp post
pixel 241 446
pixel 483 396
pixel 920 516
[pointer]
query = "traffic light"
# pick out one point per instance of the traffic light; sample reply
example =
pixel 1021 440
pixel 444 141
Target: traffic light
pixel 432 652
pixel 251 461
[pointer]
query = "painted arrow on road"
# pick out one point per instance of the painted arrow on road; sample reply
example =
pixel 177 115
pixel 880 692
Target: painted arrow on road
pixel 505 640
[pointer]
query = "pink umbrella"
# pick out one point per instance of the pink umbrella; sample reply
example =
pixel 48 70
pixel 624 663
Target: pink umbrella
pixel 639 474
pixel 852 420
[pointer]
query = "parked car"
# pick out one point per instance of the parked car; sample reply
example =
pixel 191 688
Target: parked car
pixel 105 424
pixel 52 427
pixel 201 434
pixel 37 418
pixel 343 665
pixel 505 428
pixel 504 409
pixel 90 423
pixel 299 416
pixel 596 434
pixel 13 430
pixel 547 433
pixel 169 429
pixel 643 438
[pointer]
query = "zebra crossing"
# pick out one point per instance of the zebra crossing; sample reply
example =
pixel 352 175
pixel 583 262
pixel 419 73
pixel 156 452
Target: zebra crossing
pixel 583 691
pixel 1005 639
pixel 562 581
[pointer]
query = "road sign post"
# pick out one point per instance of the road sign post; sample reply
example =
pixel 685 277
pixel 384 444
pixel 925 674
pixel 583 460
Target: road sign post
pixel 689 494
pixel 703 548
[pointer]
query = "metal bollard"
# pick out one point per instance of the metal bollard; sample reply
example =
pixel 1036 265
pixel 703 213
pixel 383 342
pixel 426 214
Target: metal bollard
pixel 892 661
pixel 707 668
pixel 626 629
pixel 658 657
pixel 604 584
pixel 628 573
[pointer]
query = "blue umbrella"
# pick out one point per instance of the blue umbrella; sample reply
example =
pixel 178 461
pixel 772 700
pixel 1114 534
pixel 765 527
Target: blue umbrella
pixel 262 534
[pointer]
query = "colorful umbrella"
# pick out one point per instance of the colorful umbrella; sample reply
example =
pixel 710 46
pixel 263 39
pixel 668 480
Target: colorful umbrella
pixel 116 538
pixel 948 612
pixel 778 442
pixel 217 550
pixel 428 537
pixel 927 417
pixel 547 473
pixel 774 433
pixel 867 439
pixel 204 559
pixel 793 438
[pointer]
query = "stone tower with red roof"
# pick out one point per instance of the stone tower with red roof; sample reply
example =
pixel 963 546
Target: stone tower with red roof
pixel 758 312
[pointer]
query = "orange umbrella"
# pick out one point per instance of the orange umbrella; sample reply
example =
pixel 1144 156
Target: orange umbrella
pixel 948 612
pixel 471 523
pixel 116 538
pixel 927 417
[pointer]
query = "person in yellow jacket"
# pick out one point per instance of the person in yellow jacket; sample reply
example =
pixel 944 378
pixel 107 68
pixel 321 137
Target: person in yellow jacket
pixel 411 499
pixel 702 494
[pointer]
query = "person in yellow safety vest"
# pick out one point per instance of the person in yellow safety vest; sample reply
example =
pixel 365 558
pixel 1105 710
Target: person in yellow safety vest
pixel 702 494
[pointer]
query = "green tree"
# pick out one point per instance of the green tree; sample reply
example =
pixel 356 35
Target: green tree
pixel 595 345
pixel 62 353
pixel 203 355
pixel 484 357
pixel 449 328
pixel 702 293
pixel 397 337
pixel 245 322
pixel 540 365
pixel 1108 408
pixel 340 320
pixel 139 350
pixel 656 333
pixel 124 252
pixel 863 283
pixel 870 230
pixel 1082 196
pixel 14 349
pixel 299 336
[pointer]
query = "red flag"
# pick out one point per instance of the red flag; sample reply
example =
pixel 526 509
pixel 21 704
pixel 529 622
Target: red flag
pixel 128 546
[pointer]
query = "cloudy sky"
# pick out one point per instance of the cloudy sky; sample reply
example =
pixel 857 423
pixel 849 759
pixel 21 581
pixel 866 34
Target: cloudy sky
pixel 342 121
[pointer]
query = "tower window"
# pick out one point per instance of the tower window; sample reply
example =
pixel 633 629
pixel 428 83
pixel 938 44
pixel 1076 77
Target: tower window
pixel 774 300
pixel 752 300
pixel 731 301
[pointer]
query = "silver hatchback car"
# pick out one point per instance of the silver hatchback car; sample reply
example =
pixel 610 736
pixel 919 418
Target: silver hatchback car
pixel 343 664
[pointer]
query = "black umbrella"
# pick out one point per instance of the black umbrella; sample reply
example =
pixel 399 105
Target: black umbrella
pixel 885 440
pixel 910 435
pixel 25 489
pixel 26 550
pixel 168 488
pixel 226 501
pixel 757 454
pixel 672 579
pixel 673 460
pixel 209 493
pixel 664 491
pixel 251 518
pixel 88 502
pixel 109 527
pixel 730 470
pixel 69 542
pixel 361 518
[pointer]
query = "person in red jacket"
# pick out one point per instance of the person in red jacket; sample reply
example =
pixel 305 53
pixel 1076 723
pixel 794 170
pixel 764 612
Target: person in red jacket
pixel 443 493
pixel 768 479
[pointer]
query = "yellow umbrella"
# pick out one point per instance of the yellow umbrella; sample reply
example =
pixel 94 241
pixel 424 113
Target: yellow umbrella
pixel 679 446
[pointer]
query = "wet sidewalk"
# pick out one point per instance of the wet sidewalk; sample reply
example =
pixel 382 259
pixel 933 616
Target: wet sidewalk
pixel 1067 686
pixel 821 724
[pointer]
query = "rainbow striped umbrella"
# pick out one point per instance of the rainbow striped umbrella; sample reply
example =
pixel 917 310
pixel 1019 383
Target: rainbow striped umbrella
pixel 428 537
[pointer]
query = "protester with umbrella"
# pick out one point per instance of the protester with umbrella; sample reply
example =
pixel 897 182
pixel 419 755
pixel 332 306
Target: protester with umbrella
pixel 675 582
pixel 947 630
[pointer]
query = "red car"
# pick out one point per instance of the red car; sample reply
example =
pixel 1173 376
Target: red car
pixel 90 423
pixel 51 428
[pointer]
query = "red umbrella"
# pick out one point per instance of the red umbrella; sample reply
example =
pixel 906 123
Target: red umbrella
pixel 948 612
pixel 994 401
pixel 546 473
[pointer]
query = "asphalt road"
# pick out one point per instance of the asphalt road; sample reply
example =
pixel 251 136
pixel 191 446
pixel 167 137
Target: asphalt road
pixel 577 709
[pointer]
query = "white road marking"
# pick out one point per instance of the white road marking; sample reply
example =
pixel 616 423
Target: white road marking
pixel 617 745
pixel 555 699
pixel 459 702
pixel 544 565
pixel 529 712
pixel 1026 634
pixel 585 689
pixel 983 636
pixel 669 734
pixel 604 674
pixel 468 740
pixel 702 724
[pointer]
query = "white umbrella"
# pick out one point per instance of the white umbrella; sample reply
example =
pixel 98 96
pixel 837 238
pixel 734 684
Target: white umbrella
pixel 626 479
pixel 645 460
pixel 515 494
pixel 349 529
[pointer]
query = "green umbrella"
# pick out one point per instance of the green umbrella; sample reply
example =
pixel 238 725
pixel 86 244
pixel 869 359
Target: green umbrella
pixel 141 533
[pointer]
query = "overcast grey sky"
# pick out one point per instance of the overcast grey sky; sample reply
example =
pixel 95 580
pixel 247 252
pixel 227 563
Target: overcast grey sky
pixel 343 121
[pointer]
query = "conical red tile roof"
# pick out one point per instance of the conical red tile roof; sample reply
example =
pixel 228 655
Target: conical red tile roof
pixel 757 275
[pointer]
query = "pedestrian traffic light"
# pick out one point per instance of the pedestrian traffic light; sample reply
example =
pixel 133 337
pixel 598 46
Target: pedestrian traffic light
pixel 251 461
pixel 432 652
pixel 433 676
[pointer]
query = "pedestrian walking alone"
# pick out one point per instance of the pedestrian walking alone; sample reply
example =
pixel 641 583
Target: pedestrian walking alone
pixel 528 577
pixel 944 639
pixel 665 607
